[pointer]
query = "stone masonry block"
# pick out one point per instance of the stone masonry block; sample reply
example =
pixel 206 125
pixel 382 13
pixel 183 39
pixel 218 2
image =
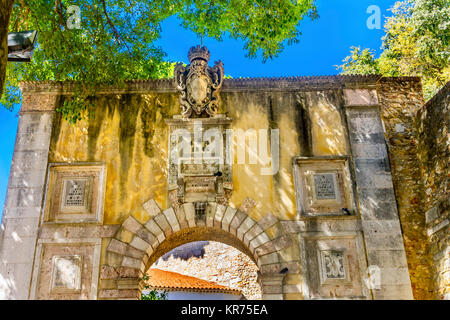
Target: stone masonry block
pixel 189 211
pixel 32 179
pixel 220 211
pixel 431 215
pixel 172 219
pixel 252 233
pixel 267 221
pixel 270 258
pixel 152 208
pixel 385 242
pixel 147 236
pixel 17 250
pixel 387 259
pixel 379 227
pixel 274 245
pixel 113 259
pixel 162 222
pixel 25 142
pixel 154 228
pixel 394 276
pixel 210 212
pixel 239 217
pixel 395 292
pixel 128 283
pixel 245 226
pixel 119 294
pixel 23 197
pixel 131 224
pixel 228 217
pixel 263 249
pixel 259 240
pixel 292 288
pixel 139 244
pixel 181 217
pixel 271 289
pixel 124 249
pixel 20 227
pixel 131 262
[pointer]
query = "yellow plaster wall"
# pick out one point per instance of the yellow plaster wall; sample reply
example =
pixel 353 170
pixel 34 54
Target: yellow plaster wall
pixel 129 135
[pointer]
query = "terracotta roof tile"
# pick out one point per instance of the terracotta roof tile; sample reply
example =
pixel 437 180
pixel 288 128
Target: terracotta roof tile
pixel 168 280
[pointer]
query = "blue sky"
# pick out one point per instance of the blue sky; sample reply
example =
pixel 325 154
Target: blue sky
pixel 323 44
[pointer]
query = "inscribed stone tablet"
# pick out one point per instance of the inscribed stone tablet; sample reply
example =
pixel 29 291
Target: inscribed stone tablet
pixel 325 187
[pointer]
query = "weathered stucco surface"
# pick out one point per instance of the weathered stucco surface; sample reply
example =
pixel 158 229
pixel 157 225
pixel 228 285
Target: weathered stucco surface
pixel 366 123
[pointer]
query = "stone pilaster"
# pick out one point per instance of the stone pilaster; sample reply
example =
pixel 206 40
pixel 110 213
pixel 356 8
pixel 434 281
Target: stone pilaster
pixel 26 187
pixel 379 216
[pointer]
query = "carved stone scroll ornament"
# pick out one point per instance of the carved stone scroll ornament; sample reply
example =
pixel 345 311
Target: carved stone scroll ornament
pixel 199 85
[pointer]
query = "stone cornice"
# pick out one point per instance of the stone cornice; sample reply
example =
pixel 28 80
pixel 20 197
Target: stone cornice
pixel 229 85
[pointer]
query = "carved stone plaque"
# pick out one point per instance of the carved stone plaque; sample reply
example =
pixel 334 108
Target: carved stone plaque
pixel 66 273
pixel 200 184
pixel 197 169
pixel 333 266
pixel 325 186
pixel 74 193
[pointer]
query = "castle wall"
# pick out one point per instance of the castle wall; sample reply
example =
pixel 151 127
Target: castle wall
pixel 433 145
pixel 316 228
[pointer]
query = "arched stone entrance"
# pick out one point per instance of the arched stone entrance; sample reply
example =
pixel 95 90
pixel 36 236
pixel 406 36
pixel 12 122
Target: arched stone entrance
pixel 127 260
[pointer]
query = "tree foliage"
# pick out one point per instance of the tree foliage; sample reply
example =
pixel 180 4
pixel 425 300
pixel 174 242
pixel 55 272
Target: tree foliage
pixel 152 294
pixel 416 43
pixel 116 41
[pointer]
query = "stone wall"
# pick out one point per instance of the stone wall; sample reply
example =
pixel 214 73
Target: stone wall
pixel 217 262
pixel 433 145
pixel 310 240
pixel 399 101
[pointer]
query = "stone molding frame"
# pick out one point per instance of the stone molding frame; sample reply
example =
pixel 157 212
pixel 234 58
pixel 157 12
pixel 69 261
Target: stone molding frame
pixel 60 172
pixel 358 255
pixel 341 168
pixel 76 244
pixel 127 260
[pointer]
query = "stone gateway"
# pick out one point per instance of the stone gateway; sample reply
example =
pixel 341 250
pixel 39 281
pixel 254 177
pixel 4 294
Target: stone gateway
pixel 310 177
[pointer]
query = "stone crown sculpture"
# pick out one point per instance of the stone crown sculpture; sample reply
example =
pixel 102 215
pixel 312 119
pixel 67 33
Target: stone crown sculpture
pixel 199 85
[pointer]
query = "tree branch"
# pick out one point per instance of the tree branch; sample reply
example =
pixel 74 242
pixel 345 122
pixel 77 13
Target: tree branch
pixel 116 33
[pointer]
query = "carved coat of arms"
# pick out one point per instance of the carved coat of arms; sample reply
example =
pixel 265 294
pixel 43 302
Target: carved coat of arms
pixel 199 85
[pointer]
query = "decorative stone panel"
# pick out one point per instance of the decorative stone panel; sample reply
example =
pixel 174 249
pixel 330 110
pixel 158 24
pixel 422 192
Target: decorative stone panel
pixel 199 165
pixel 66 269
pixel 66 274
pixel 75 193
pixel 334 266
pixel 323 186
